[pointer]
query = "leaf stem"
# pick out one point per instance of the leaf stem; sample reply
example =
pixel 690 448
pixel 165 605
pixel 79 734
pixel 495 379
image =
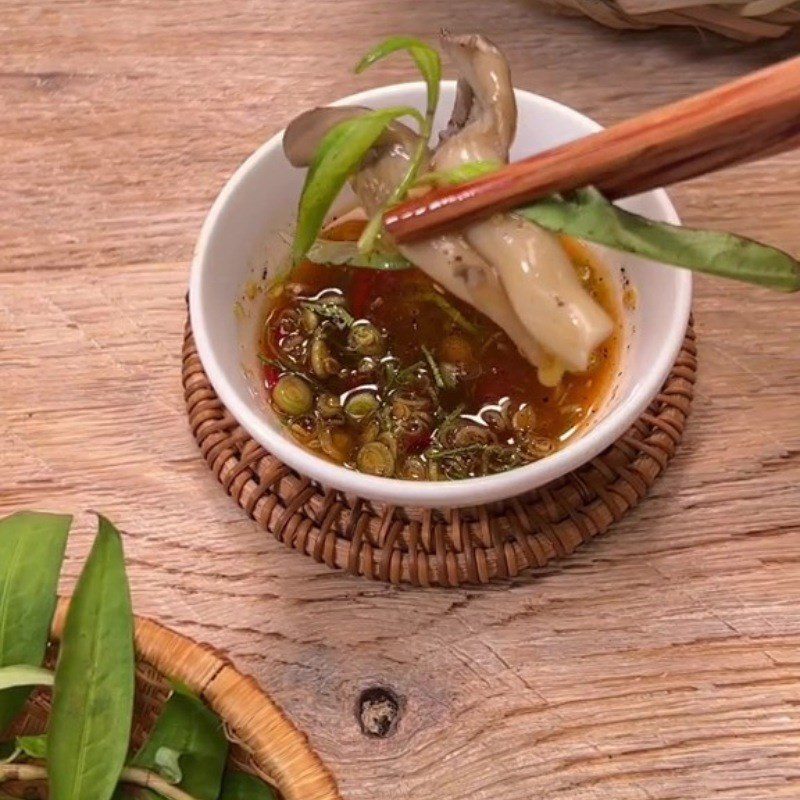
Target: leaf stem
pixel 434 368
pixel 150 780
pixel 429 64
pixel 133 775
pixel 366 242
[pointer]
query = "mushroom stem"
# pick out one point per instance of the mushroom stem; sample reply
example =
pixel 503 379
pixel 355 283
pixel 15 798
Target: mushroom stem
pixel 484 118
pixel 548 300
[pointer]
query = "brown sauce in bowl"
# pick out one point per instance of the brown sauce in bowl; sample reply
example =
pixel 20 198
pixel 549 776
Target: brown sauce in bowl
pixel 386 372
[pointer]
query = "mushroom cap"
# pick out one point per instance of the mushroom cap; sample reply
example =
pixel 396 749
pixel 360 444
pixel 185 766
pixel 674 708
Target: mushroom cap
pixel 484 118
pixel 305 132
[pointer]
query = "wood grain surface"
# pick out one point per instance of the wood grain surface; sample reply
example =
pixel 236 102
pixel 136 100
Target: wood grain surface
pixel 662 661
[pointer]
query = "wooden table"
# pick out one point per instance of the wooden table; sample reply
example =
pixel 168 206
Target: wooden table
pixel 662 661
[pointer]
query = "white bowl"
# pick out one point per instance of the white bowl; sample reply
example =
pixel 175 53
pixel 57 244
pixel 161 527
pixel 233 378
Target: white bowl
pixel 240 239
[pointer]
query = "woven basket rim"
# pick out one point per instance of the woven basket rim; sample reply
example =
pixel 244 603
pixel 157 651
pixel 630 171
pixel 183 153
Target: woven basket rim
pixel 276 744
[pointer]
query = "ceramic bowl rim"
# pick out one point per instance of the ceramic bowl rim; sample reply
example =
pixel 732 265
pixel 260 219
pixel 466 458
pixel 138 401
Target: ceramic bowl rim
pixel 467 492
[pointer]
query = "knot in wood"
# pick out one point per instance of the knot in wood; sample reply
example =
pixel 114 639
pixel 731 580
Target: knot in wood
pixel 378 711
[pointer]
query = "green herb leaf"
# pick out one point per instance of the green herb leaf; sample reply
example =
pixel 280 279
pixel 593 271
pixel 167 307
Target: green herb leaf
pixel 450 420
pixel 463 173
pixel 456 451
pixel 434 368
pixel 24 675
pixel 8 755
pixel 90 722
pixel 588 215
pixel 337 314
pixel 31 551
pixel 339 155
pixel 273 362
pixel 429 64
pixel 239 785
pixel 395 377
pixel 168 764
pixel 188 728
pixel 442 303
pixel 33 746
pixel 426 58
pixel 328 251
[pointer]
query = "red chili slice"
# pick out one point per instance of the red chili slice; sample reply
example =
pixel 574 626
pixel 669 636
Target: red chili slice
pixel 363 288
pixel 271 374
pixel 417 443
pixel 491 386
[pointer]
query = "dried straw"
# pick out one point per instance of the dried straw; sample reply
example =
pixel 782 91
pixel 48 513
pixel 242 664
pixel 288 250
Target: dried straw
pixel 743 20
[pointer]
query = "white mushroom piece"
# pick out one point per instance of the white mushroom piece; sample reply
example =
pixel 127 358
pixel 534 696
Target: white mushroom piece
pixel 511 270
pixel 533 266
pixel 447 259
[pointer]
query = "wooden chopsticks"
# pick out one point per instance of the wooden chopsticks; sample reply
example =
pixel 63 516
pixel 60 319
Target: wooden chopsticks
pixel 748 118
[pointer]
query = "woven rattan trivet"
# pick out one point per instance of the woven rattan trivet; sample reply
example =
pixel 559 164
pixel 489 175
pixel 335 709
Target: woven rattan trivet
pixel 426 546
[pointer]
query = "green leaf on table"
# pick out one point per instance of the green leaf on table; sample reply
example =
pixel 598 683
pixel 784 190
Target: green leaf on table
pixel 188 728
pixel 338 156
pixel 329 251
pixel 33 746
pixel 90 721
pixel 463 173
pixel 586 214
pixel 31 551
pixel 429 64
pixel 24 675
pixel 239 785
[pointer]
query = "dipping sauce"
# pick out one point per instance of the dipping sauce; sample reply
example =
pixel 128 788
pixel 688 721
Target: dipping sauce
pixel 387 373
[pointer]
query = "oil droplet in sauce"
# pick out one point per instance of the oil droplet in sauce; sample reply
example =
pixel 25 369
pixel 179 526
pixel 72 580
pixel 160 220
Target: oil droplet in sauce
pixel 473 405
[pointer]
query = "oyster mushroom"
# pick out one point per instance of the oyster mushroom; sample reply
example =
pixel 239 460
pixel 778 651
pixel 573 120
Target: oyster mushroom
pixel 447 259
pixel 484 117
pixel 508 268
pixel 534 269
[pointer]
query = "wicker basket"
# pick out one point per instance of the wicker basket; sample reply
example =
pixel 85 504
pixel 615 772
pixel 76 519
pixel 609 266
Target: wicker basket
pixel 266 743
pixel 743 20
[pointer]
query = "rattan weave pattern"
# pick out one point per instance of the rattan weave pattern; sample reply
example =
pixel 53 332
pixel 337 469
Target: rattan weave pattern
pixel 426 546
